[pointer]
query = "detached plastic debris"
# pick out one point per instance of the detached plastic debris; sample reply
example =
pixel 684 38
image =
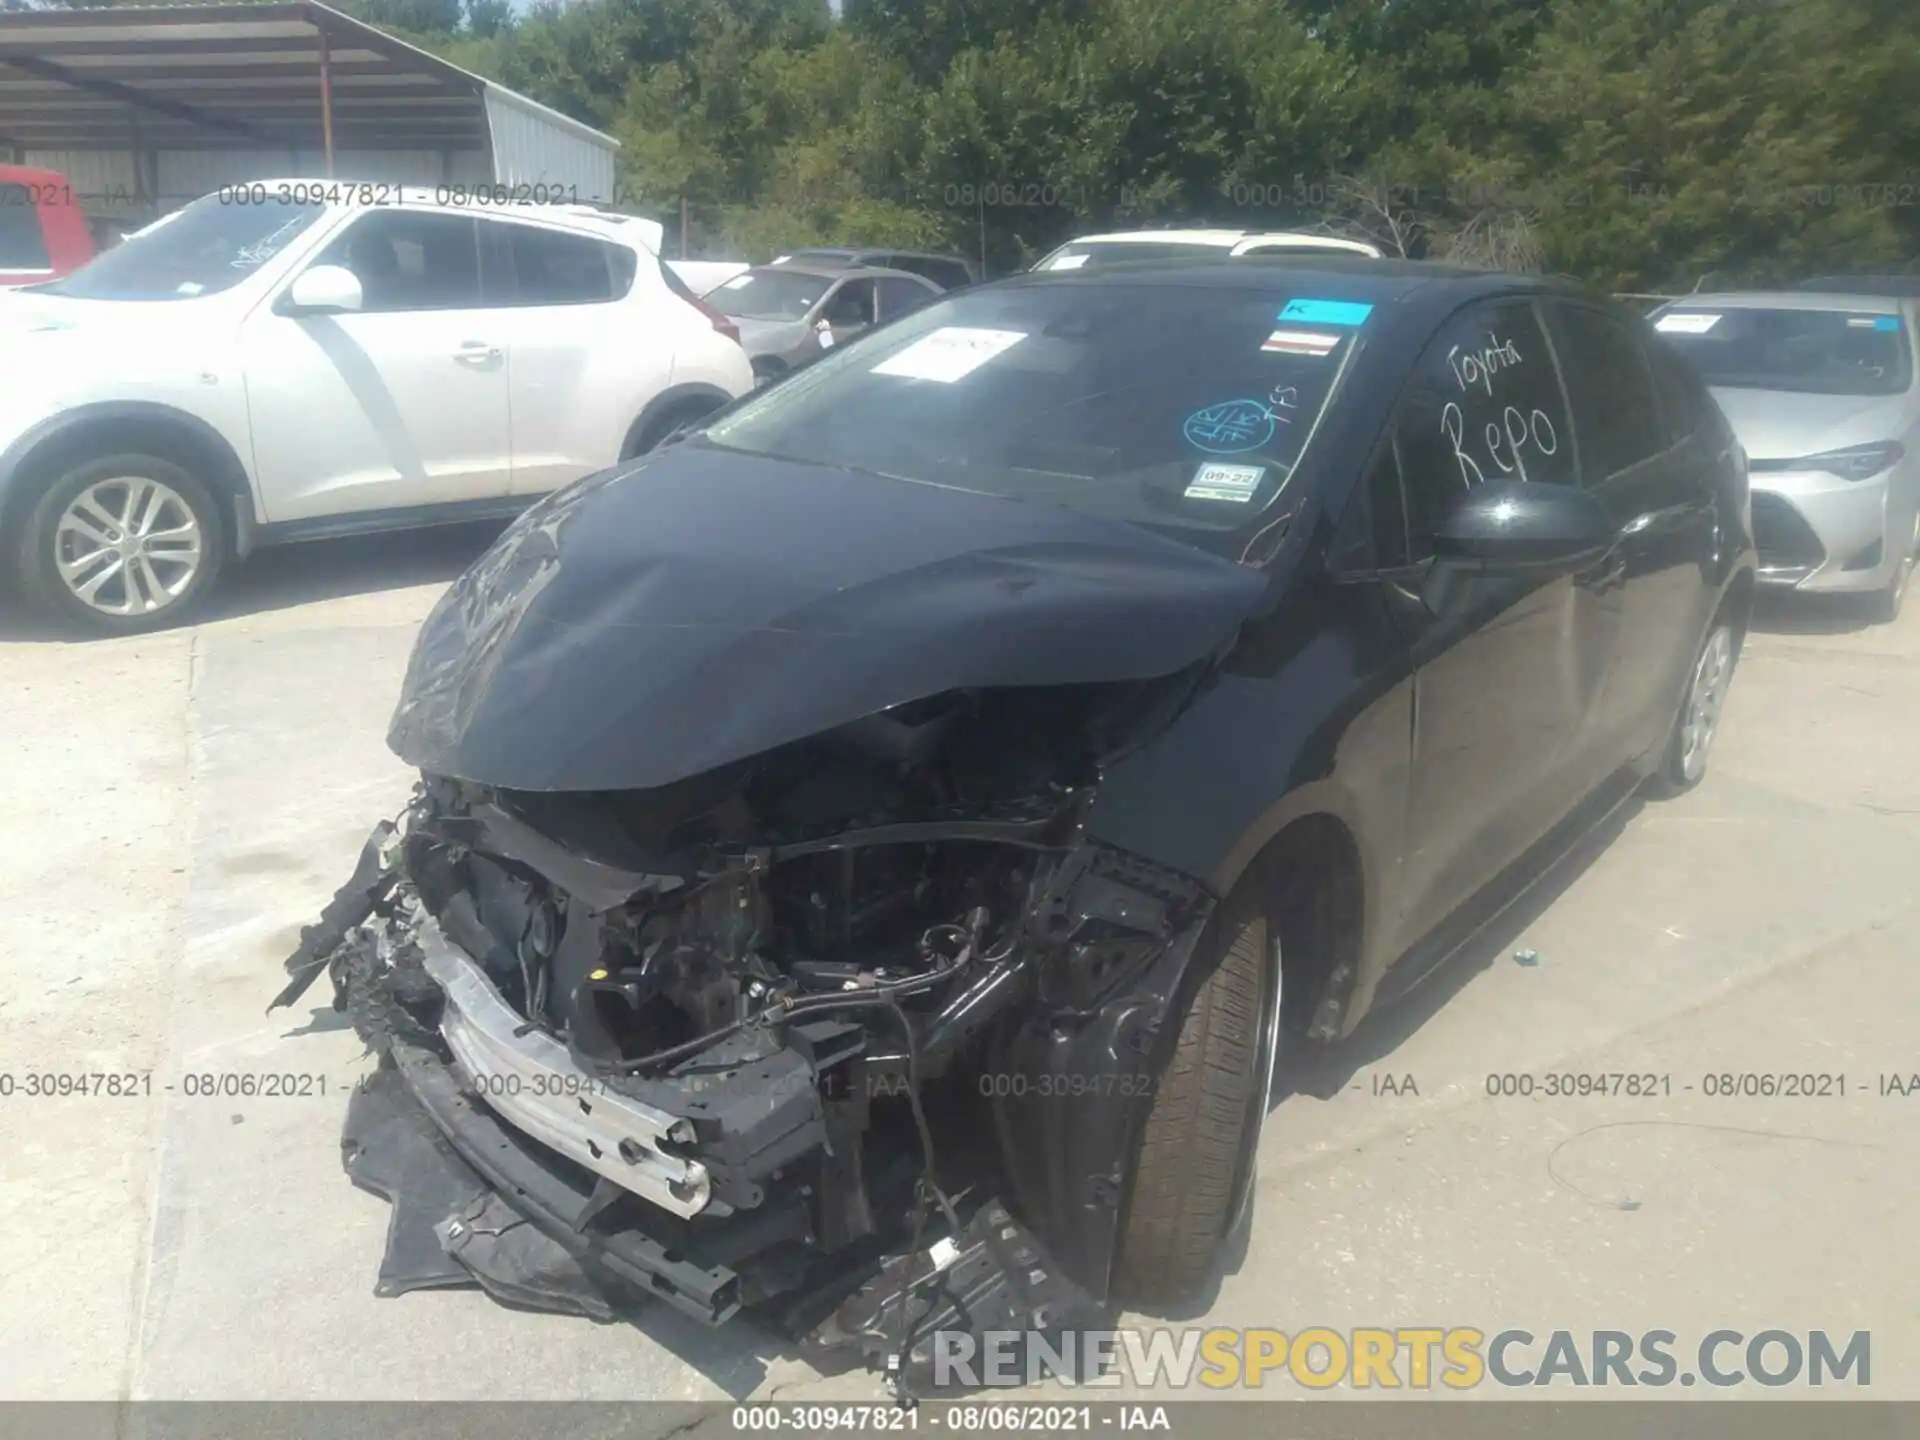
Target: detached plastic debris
pixel 1529 958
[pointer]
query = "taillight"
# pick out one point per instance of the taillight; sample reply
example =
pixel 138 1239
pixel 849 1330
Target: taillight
pixel 723 323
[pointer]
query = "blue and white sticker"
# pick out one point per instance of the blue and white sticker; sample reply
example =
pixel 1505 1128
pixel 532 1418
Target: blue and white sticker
pixel 1327 312
pixel 1218 481
pixel 1230 427
pixel 1887 323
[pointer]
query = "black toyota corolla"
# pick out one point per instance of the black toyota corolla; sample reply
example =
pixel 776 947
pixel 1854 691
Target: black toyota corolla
pixel 870 853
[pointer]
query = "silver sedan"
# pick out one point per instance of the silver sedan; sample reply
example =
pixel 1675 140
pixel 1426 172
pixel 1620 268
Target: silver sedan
pixel 1823 391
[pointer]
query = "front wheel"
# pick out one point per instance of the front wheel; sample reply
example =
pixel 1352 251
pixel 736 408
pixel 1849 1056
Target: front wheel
pixel 1196 1151
pixel 122 544
pixel 1698 724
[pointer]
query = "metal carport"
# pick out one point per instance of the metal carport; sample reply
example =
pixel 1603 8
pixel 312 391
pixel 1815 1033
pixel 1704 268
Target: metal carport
pixel 146 108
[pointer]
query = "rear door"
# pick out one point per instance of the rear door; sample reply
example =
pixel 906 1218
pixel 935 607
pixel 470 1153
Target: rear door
pixel 402 404
pixel 1640 456
pixel 1505 671
pixel 588 349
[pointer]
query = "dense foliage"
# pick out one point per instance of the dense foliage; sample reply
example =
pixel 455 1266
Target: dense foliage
pixel 1638 143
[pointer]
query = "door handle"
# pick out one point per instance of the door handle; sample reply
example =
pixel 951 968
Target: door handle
pixel 477 352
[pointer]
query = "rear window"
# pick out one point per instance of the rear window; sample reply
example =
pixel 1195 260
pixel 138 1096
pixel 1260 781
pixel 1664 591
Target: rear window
pixel 1176 407
pixel 1828 352
pixel 22 245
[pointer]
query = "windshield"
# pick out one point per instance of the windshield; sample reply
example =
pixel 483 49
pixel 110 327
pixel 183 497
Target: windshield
pixel 1827 352
pixel 204 248
pixel 1167 405
pixel 769 295
pixel 1103 252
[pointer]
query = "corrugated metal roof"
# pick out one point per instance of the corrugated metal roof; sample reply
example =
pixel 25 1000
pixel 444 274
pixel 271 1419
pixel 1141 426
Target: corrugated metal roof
pixel 241 76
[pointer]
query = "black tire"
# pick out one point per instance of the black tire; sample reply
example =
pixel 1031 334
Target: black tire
pixel 661 428
pixel 37 559
pixel 1676 776
pixel 1205 1118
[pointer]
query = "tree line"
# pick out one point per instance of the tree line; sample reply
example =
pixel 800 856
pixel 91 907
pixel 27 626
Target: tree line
pixel 1636 144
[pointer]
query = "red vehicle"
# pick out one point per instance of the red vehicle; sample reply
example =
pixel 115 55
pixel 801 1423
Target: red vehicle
pixel 43 233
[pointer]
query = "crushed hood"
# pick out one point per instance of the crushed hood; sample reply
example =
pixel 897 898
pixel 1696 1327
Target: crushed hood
pixel 701 606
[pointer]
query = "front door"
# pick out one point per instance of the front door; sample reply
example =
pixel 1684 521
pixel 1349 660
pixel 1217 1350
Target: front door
pixel 402 404
pixel 1505 667
pixel 848 311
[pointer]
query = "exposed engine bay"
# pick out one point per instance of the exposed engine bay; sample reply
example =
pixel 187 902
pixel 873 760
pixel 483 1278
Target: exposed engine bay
pixel 854 1035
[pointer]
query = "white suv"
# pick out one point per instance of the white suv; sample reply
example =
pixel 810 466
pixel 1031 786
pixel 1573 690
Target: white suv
pixel 287 360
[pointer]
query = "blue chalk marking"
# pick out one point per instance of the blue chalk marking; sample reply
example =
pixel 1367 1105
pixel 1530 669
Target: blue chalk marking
pixel 1229 428
pixel 1327 312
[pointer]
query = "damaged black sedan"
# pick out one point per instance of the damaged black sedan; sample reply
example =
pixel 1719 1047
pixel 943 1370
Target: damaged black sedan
pixel 870 854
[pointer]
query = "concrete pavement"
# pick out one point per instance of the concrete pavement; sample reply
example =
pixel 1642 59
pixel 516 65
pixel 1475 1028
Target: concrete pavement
pixel 174 808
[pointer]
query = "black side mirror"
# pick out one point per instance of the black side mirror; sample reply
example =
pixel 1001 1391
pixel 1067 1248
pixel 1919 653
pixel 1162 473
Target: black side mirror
pixel 1514 529
pixel 1518 526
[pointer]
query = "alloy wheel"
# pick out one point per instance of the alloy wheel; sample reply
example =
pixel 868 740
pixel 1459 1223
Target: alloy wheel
pixel 1704 698
pixel 128 546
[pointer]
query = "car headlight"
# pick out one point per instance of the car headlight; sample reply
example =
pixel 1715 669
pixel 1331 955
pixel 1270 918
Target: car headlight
pixel 1856 462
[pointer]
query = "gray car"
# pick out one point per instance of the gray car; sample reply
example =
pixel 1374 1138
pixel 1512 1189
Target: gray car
pixel 1823 391
pixel 791 314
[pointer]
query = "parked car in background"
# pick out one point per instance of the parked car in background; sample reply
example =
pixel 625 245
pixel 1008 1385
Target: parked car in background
pixel 1822 390
pixel 789 314
pixel 1026 692
pixel 949 272
pixel 1133 245
pixel 280 367
pixel 44 233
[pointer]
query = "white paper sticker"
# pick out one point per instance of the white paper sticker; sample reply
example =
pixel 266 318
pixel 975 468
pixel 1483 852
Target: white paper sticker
pixel 1686 322
pixel 1214 481
pixel 1069 262
pixel 948 354
pixel 943 1253
pixel 825 333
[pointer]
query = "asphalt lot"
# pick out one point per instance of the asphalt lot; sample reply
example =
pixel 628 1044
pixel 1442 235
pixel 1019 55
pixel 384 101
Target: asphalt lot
pixel 174 808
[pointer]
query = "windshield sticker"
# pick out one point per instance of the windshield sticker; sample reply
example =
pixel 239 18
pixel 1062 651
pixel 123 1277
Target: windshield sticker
pixel 1230 427
pixel 1327 312
pixel 1686 322
pixel 1214 481
pixel 950 353
pixel 1069 262
pixel 1301 342
pixel 189 288
pixel 1873 322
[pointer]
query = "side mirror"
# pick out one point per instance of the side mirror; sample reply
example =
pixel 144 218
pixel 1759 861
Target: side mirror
pixel 1520 527
pixel 325 290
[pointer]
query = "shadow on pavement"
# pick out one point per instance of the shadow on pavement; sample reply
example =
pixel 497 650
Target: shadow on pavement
pixel 1781 614
pixel 280 577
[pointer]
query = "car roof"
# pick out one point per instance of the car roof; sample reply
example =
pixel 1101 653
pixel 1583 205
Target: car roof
pixel 853 251
pixel 1418 285
pixel 368 195
pixel 823 271
pixel 1789 300
pixel 1904 286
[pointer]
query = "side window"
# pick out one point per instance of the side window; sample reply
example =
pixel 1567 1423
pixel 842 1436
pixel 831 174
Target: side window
pixel 1372 534
pixel 1684 403
pixel 552 267
pixel 851 304
pixel 897 297
pixel 22 245
pixel 1484 404
pixel 411 260
pixel 1611 386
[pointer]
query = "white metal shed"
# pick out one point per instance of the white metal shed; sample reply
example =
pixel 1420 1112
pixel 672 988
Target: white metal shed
pixel 146 108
